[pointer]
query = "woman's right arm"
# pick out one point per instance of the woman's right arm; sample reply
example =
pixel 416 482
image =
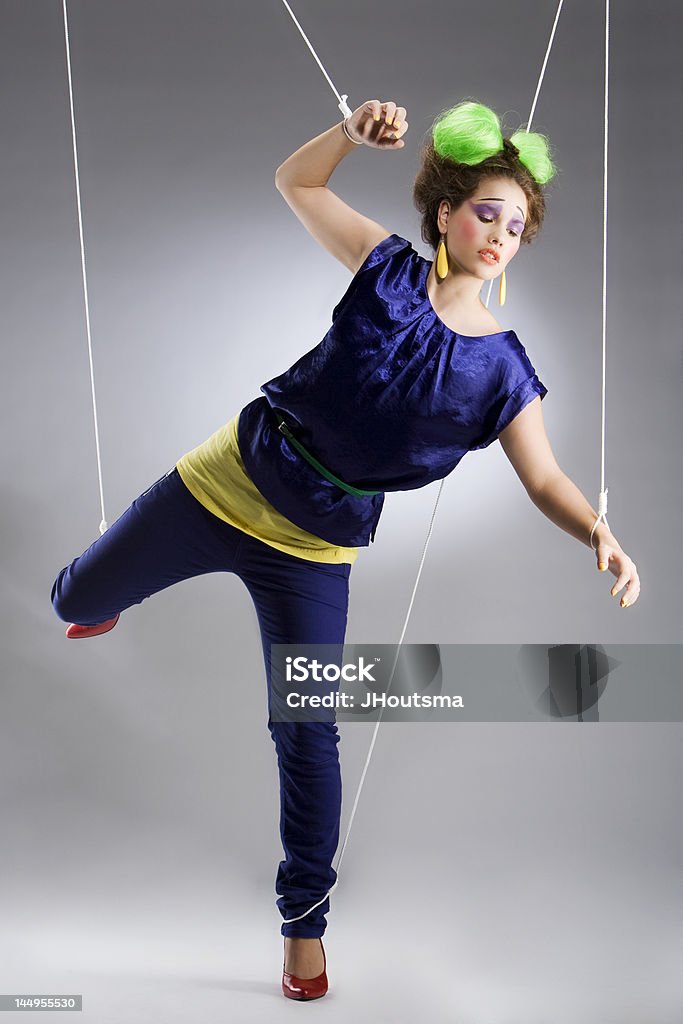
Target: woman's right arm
pixel 302 181
pixel 312 165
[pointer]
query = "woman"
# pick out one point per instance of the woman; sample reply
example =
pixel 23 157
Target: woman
pixel 413 373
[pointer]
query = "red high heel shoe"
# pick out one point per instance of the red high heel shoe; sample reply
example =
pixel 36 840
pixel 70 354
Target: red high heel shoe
pixel 305 988
pixel 76 632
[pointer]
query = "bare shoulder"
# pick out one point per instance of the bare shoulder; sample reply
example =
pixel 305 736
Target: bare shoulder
pixel 490 322
pixel 480 324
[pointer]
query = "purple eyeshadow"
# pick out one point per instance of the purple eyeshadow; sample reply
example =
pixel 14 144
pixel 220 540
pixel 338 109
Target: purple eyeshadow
pixel 493 211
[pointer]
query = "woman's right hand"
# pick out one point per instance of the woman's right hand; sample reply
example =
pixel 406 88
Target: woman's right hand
pixel 379 125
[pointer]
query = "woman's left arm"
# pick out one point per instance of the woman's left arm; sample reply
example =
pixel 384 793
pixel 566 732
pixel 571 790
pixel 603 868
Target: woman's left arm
pixel 526 445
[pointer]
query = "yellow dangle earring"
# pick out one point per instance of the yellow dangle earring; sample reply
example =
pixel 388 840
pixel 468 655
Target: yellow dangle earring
pixel 502 289
pixel 441 261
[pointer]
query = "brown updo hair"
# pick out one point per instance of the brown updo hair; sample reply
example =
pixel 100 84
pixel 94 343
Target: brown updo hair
pixel 470 130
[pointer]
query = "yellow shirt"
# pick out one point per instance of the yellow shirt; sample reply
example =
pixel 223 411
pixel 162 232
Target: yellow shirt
pixel 214 473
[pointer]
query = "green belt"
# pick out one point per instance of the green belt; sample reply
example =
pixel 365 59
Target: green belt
pixel 282 426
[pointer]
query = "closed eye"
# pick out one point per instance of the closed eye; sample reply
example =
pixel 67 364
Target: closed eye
pixel 489 220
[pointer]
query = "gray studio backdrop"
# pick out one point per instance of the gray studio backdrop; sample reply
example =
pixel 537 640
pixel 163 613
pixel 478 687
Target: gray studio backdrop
pixel 139 805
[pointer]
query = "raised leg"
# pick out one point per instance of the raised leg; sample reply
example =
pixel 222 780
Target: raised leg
pixel 165 536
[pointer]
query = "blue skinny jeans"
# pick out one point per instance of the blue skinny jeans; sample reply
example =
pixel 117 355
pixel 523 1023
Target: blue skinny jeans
pixel 165 536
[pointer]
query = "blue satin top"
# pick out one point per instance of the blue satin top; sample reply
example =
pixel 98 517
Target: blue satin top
pixel 389 400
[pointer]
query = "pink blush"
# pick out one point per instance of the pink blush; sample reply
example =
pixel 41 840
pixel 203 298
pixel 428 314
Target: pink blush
pixel 470 230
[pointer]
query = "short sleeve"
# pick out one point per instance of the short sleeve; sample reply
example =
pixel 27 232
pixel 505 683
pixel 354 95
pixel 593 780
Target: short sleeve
pixel 382 251
pixel 389 245
pixel 514 395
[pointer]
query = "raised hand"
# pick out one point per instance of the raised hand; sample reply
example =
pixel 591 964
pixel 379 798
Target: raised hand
pixel 379 125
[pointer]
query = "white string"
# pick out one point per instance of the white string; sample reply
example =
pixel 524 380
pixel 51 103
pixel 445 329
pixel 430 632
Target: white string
pixel 103 523
pixel 533 105
pixel 602 497
pixel 343 106
pixel 289 920
pixel 543 66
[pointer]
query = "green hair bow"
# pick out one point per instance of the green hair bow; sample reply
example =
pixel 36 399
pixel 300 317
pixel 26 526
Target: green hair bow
pixel 471 132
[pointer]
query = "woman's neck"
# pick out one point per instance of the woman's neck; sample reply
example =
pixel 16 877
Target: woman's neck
pixel 456 299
